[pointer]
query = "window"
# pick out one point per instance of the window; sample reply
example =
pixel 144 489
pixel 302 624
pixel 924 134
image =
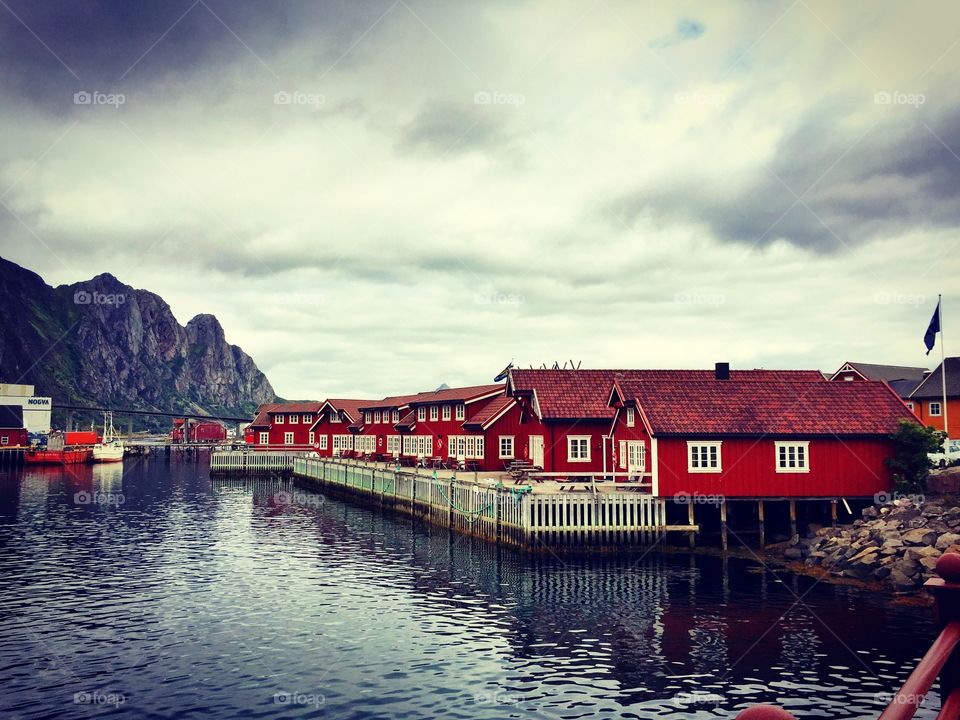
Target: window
pixel 334 416
pixel 578 448
pixel 393 444
pixel 323 441
pixel 909 404
pixel 307 419
pixel 704 457
pixel 278 419
pixel 793 457
pixel 461 412
pixel 5 440
pixel 376 416
pixel 434 413
pixel 421 413
pixel 313 437
pixel 631 417
pixel 446 412
pixel 368 417
pixel 264 438
pixel 936 409
pixel 396 416
pixel 294 419
pixel 342 442
pixel 419 445
pixel 506 447
pixel 288 438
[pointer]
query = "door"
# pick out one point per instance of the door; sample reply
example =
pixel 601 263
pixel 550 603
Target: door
pixel 636 458
pixel 536 450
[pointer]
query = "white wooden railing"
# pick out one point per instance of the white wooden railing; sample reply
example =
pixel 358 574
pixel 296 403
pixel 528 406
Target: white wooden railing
pixel 253 461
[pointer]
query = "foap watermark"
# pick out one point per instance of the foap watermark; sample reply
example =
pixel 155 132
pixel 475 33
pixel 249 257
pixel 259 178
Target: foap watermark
pixel 686 699
pixel 685 498
pixel 895 97
pixel 687 297
pixel 298 698
pixel 495 698
pixel 99 697
pixel 314 100
pixel 495 97
pixel 98 498
pixel 95 97
pixel 700 97
pixel 92 297
pixel 493 297
pixel 910 699
pixel 894 298
pixel 286 497
pixel 883 498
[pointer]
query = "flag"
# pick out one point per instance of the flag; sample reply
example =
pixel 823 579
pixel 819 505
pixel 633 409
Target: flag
pixel 930 337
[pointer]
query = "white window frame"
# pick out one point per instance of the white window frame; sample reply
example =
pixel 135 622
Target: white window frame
pixel 368 418
pixel 795 444
pixel 421 413
pixel 500 442
pixel 393 445
pixel 376 416
pixel 461 412
pixel 446 413
pixel 278 419
pixel 288 438
pixel 264 438
pixel 313 438
pixel 938 405
pixel 434 413
pixel 294 419
pixel 631 417
pixel 4 440
pixel 695 450
pixel 334 416
pixel 308 419
pixel 579 440
pixel 395 417
pixel 323 441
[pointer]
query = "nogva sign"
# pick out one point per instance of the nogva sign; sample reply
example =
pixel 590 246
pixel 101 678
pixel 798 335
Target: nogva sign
pixel 36 410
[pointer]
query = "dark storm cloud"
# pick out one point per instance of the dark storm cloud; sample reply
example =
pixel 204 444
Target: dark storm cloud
pixel 49 49
pixel 826 189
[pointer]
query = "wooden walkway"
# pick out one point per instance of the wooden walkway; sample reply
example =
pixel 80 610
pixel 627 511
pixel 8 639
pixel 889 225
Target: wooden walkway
pixel 499 513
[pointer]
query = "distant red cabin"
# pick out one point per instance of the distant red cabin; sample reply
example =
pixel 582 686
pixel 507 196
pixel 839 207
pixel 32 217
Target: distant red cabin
pixel 202 431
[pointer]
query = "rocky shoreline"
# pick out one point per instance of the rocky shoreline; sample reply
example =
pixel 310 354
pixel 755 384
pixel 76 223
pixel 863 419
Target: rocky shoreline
pixel 897 543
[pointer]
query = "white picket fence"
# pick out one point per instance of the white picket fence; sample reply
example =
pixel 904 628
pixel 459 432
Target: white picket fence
pixel 501 513
pixel 252 461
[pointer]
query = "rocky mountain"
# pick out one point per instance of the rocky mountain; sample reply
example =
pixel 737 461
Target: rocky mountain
pixel 103 342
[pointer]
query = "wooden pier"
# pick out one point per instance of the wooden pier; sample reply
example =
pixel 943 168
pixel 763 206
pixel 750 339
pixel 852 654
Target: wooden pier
pixel 252 462
pixel 509 515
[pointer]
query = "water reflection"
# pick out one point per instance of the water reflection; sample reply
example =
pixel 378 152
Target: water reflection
pixel 221 598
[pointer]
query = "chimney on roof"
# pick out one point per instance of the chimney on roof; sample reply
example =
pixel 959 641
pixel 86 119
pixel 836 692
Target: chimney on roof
pixel 722 371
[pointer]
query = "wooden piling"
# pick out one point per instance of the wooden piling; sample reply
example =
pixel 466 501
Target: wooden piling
pixel 833 513
pixel 793 518
pixel 760 518
pixel 723 524
pixel 690 521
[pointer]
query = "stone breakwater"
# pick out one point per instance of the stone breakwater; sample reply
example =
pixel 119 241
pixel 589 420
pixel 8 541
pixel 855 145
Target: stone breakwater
pixel 897 543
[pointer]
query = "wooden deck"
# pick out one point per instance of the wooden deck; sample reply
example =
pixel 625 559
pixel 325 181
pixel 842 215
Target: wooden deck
pixel 496 511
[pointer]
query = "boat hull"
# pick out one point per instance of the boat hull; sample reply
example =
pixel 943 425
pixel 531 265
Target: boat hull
pixel 57 457
pixel 107 453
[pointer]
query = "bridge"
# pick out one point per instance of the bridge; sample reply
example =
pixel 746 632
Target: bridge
pixel 130 413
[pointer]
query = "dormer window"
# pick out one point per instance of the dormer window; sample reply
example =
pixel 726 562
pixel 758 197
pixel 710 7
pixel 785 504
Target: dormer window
pixel 461 412
pixel 396 416
pixel 421 413
pixel 631 417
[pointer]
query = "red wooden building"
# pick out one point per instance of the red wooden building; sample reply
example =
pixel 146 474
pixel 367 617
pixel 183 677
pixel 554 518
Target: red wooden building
pixel 282 426
pixel 204 431
pixel 754 435
pixel 13 432
pixel 331 434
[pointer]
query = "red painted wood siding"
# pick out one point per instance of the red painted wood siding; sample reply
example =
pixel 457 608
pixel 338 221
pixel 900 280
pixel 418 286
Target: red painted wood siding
pixel 509 424
pixel 555 445
pixel 922 410
pixel 838 468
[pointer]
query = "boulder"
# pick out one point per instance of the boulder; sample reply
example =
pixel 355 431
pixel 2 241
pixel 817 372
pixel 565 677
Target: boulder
pixel 901 582
pixel 910 568
pixel 870 512
pixel 863 567
pixel 946 540
pixel 918 553
pixel 919 536
pixel 929 563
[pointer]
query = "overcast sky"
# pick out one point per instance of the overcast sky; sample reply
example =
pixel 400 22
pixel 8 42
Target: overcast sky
pixel 379 197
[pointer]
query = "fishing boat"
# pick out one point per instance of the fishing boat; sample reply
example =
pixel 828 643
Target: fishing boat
pixel 67 448
pixel 110 447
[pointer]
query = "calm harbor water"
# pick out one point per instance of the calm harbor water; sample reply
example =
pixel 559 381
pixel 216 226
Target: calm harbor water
pixel 150 591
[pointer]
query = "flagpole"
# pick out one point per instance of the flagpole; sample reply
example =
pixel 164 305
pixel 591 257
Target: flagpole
pixel 943 365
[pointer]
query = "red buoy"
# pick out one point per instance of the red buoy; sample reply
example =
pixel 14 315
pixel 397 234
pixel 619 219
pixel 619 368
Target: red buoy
pixel 948 567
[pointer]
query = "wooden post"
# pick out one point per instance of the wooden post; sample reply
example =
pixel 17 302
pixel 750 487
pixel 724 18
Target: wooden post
pixel 690 521
pixel 760 516
pixel 793 518
pixel 833 513
pixel 723 524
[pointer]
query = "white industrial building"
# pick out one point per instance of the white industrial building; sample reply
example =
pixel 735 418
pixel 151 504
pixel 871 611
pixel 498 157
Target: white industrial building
pixel 36 410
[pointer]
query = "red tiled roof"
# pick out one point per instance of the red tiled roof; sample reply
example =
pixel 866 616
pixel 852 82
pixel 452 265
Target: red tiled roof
pixel 408 420
pixel 463 394
pixel 263 418
pixel 771 406
pixel 577 394
pixel 394 401
pixel 490 410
